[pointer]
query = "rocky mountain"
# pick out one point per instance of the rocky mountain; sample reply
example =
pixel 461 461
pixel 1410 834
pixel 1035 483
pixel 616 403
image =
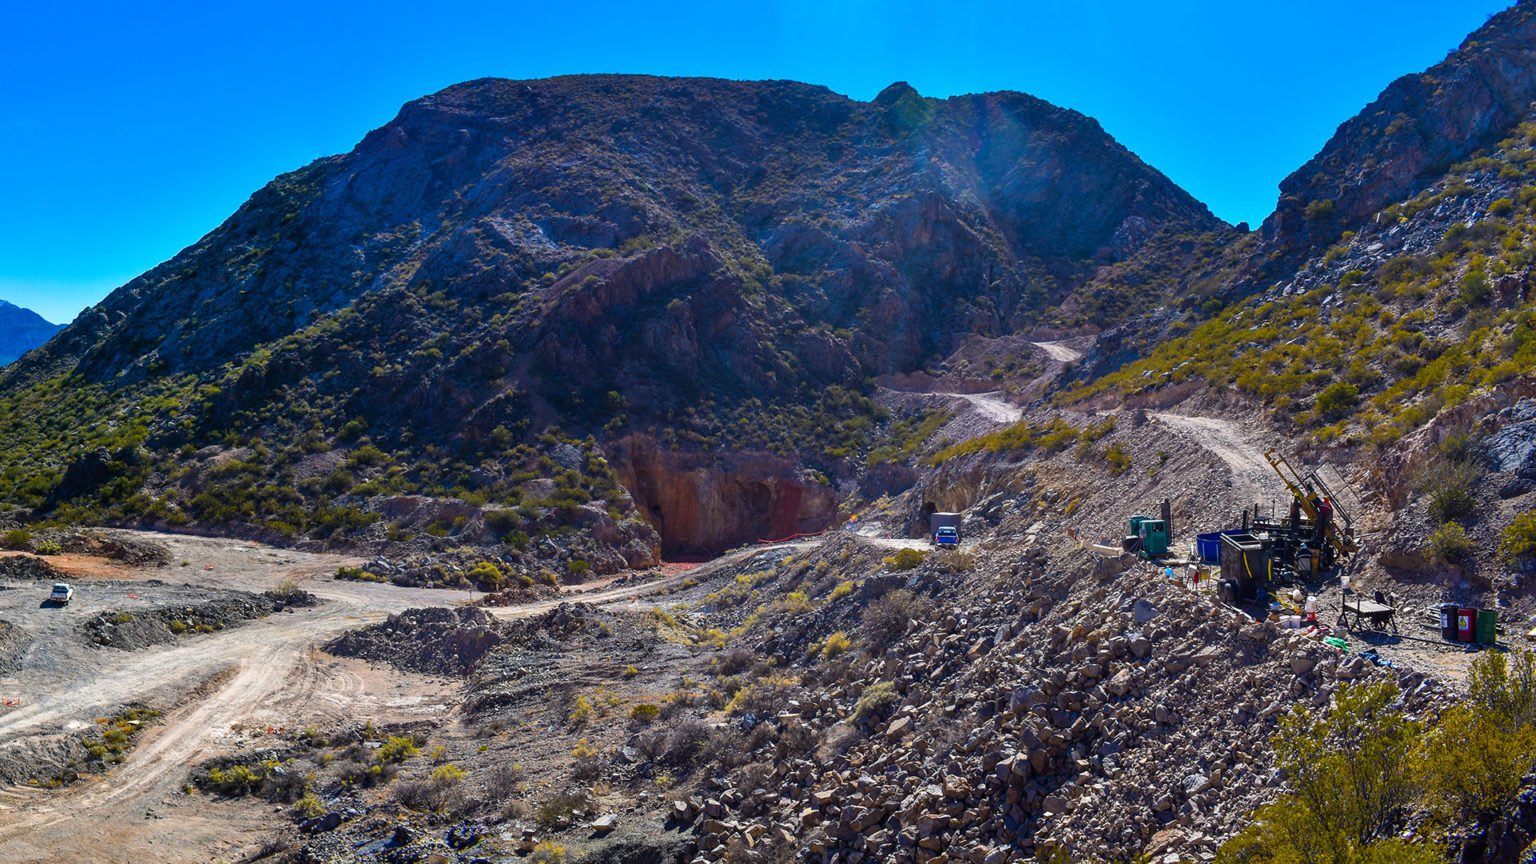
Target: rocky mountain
pixel 1403 339
pixel 702 276
pixel 1413 132
pixel 21 330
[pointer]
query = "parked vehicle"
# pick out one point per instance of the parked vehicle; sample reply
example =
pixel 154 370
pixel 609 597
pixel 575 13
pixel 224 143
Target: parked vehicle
pixel 62 593
pixel 940 521
pixel 946 537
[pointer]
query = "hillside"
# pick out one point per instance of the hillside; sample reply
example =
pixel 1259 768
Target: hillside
pixel 21 330
pixel 1406 343
pixel 688 284
pixel 533 332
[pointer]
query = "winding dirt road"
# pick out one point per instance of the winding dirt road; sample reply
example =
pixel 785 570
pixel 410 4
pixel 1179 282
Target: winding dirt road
pixel 1059 352
pixel 991 406
pixel 1251 475
pixel 230 686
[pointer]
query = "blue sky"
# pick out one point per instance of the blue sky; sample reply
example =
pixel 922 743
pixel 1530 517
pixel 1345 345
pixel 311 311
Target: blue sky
pixel 127 131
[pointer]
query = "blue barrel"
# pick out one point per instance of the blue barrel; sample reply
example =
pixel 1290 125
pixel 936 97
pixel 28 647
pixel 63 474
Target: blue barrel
pixel 1208 547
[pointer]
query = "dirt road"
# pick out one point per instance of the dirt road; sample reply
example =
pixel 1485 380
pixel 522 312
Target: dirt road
pixel 1252 478
pixel 1059 352
pixel 992 406
pixel 230 687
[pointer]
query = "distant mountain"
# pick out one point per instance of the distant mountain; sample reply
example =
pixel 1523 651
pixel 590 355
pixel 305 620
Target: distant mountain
pixel 21 330
pixel 683 269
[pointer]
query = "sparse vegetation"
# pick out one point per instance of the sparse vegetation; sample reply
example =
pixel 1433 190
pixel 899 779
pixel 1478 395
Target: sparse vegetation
pixel 906 559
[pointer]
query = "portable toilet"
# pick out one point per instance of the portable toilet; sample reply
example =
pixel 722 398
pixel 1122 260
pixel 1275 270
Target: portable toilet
pixel 1487 626
pixel 1154 538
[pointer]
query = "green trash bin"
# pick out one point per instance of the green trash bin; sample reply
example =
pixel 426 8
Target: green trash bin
pixel 1487 626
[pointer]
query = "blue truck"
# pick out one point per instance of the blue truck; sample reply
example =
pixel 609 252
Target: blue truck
pixel 944 529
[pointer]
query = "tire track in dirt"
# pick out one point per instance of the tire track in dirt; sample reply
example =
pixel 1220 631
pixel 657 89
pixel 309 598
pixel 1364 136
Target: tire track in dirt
pixel 1252 476
pixel 273 674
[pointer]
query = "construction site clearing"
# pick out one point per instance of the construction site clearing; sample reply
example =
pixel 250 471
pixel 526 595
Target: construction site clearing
pixel 1290 562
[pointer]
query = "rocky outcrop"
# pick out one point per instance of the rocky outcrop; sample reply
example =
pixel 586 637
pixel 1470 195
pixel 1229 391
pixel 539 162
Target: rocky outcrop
pixel 430 641
pixel 703 504
pixel 1108 716
pixel 1415 129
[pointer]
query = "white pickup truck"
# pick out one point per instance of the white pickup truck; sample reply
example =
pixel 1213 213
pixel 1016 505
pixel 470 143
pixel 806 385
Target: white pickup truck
pixel 61 594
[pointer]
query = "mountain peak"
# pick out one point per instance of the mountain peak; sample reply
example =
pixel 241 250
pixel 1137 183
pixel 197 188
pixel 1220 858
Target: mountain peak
pixel 896 93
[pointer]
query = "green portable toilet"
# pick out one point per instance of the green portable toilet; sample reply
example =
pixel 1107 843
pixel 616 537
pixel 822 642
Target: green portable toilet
pixel 1487 626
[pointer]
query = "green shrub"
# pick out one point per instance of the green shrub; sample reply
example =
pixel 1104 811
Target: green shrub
pixel 48 547
pixel 358 574
pixel 1319 209
pixel 16 538
pixel 1118 459
pixel 1337 399
pixel 1519 537
pixel 487 576
pixel 874 700
pixel 906 559
pixel 645 713
pixel 1450 544
pixel 1451 504
pixel 1351 780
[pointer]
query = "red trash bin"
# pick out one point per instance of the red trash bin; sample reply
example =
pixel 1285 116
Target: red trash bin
pixel 1466 625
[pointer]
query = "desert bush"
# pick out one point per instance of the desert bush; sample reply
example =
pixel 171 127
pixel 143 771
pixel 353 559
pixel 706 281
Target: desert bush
pixel 1519 537
pixel 835 644
pixel 285 589
pixel 559 810
pixel 1451 504
pixel 17 538
pixel 645 713
pixel 1351 778
pixel 309 806
pixel 1337 399
pixel 588 761
pixel 735 661
pixel 722 749
pixel 358 574
pixel 683 742
pixel 906 559
pixel 504 779
pixel 1449 544
pixel 47 547
pixel 487 576
pixel 547 852
pixel 397 749
pixel 887 619
pixel 875 699
pixel 582 710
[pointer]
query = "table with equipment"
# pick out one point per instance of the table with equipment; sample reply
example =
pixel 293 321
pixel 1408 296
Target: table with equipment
pixel 1379 615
